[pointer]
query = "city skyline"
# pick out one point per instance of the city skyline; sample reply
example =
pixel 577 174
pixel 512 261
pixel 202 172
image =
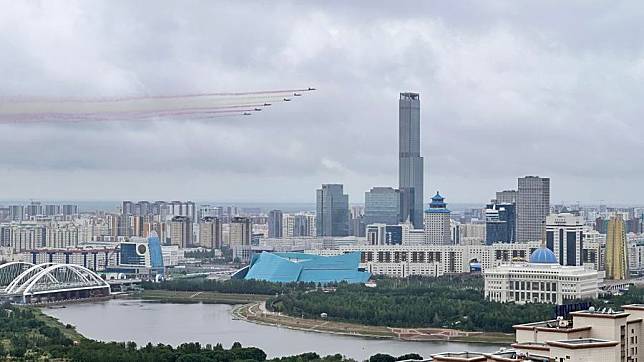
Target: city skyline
pixel 498 95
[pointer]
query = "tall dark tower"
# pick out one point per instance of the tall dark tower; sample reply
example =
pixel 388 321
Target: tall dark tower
pixel 410 164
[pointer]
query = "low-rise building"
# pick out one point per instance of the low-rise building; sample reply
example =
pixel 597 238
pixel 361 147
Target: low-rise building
pixel 590 336
pixel 541 280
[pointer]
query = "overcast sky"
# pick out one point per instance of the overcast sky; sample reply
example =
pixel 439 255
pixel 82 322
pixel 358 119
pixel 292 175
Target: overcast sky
pixel 508 88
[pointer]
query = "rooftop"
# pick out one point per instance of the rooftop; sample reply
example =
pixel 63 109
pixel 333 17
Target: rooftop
pixel 583 343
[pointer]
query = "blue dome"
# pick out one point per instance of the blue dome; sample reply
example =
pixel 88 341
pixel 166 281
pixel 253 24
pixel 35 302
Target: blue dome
pixel 543 255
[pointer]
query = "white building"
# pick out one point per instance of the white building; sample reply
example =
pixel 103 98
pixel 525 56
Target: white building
pixel 437 222
pixel 542 280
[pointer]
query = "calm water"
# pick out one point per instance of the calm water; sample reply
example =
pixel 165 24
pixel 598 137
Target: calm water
pixel 143 322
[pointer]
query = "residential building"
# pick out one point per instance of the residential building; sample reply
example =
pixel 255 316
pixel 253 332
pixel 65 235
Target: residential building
pixel 533 205
pixel 240 231
pixel 332 211
pixel 410 163
pixel 181 232
pixel 210 233
pixel 275 218
pixel 593 335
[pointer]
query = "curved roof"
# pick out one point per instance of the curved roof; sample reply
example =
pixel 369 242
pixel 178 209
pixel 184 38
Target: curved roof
pixel 301 267
pixel 543 255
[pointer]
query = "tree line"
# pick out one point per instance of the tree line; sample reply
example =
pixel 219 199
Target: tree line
pixel 456 302
pixel 25 337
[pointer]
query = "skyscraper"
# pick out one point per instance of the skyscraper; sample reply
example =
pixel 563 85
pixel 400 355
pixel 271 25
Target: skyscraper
pixel 382 206
pixel 500 223
pixel 240 231
pixel 506 196
pixel 275 218
pixel 210 232
pixel 332 211
pixel 437 222
pixel 616 249
pixel 181 232
pixel 533 205
pixel 565 237
pixel 410 163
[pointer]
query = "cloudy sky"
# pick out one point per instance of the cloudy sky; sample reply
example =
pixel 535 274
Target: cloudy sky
pixel 508 88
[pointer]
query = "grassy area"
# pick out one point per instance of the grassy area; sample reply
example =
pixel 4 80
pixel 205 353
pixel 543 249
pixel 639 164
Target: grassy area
pixel 199 297
pixel 70 332
pixel 254 313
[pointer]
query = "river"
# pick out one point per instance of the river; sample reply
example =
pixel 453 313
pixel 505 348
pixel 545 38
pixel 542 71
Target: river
pixel 169 323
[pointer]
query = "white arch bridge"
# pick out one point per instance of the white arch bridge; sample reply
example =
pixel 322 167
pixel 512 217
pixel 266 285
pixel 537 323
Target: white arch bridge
pixel 28 283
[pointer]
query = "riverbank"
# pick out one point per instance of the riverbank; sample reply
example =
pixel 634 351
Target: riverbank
pixel 172 296
pixel 68 330
pixel 256 313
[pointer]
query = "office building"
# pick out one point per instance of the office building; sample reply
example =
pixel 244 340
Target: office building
pixel 533 205
pixel 332 211
pixel 382 234
pixel 275 218
pixel 565 237
pixel 181 232
pixel 437 222
pixel 210 233
pixel 382 206
pixel 506 197
pixel 410 163
pixel 541 280
pixel 500 223
pixel 616 250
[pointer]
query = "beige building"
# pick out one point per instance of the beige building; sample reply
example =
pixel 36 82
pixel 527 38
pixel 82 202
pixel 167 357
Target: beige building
pixel 592 336
pixel 210 234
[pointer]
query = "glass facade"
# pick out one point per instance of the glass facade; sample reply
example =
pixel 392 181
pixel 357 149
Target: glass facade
pixel 382 206
pixel 332 211
pixel 156 254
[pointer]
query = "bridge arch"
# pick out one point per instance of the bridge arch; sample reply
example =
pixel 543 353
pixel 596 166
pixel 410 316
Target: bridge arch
pixel 10 271
pixel 50 282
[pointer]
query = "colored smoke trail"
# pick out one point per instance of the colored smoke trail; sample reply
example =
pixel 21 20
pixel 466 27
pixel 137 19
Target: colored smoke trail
pixel 199 106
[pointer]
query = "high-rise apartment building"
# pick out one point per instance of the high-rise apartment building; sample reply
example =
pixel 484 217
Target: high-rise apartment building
pixel 437 222
pixel 240 231
pixel 565 237
pixel 410 163
pixel 181 232
pixel 382 206
pixel 533 205
pixel 332 211
pixel 275 224
pixel 210 232
pixel 616 249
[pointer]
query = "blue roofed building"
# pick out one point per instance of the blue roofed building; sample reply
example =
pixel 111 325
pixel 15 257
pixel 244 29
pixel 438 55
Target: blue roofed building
pixel 300 267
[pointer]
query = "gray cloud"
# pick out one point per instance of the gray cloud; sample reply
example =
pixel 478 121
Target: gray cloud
pixel 507 89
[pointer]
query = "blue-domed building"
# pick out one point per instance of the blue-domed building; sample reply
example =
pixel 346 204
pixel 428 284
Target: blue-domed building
pixel 543 255
pixel 541 280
